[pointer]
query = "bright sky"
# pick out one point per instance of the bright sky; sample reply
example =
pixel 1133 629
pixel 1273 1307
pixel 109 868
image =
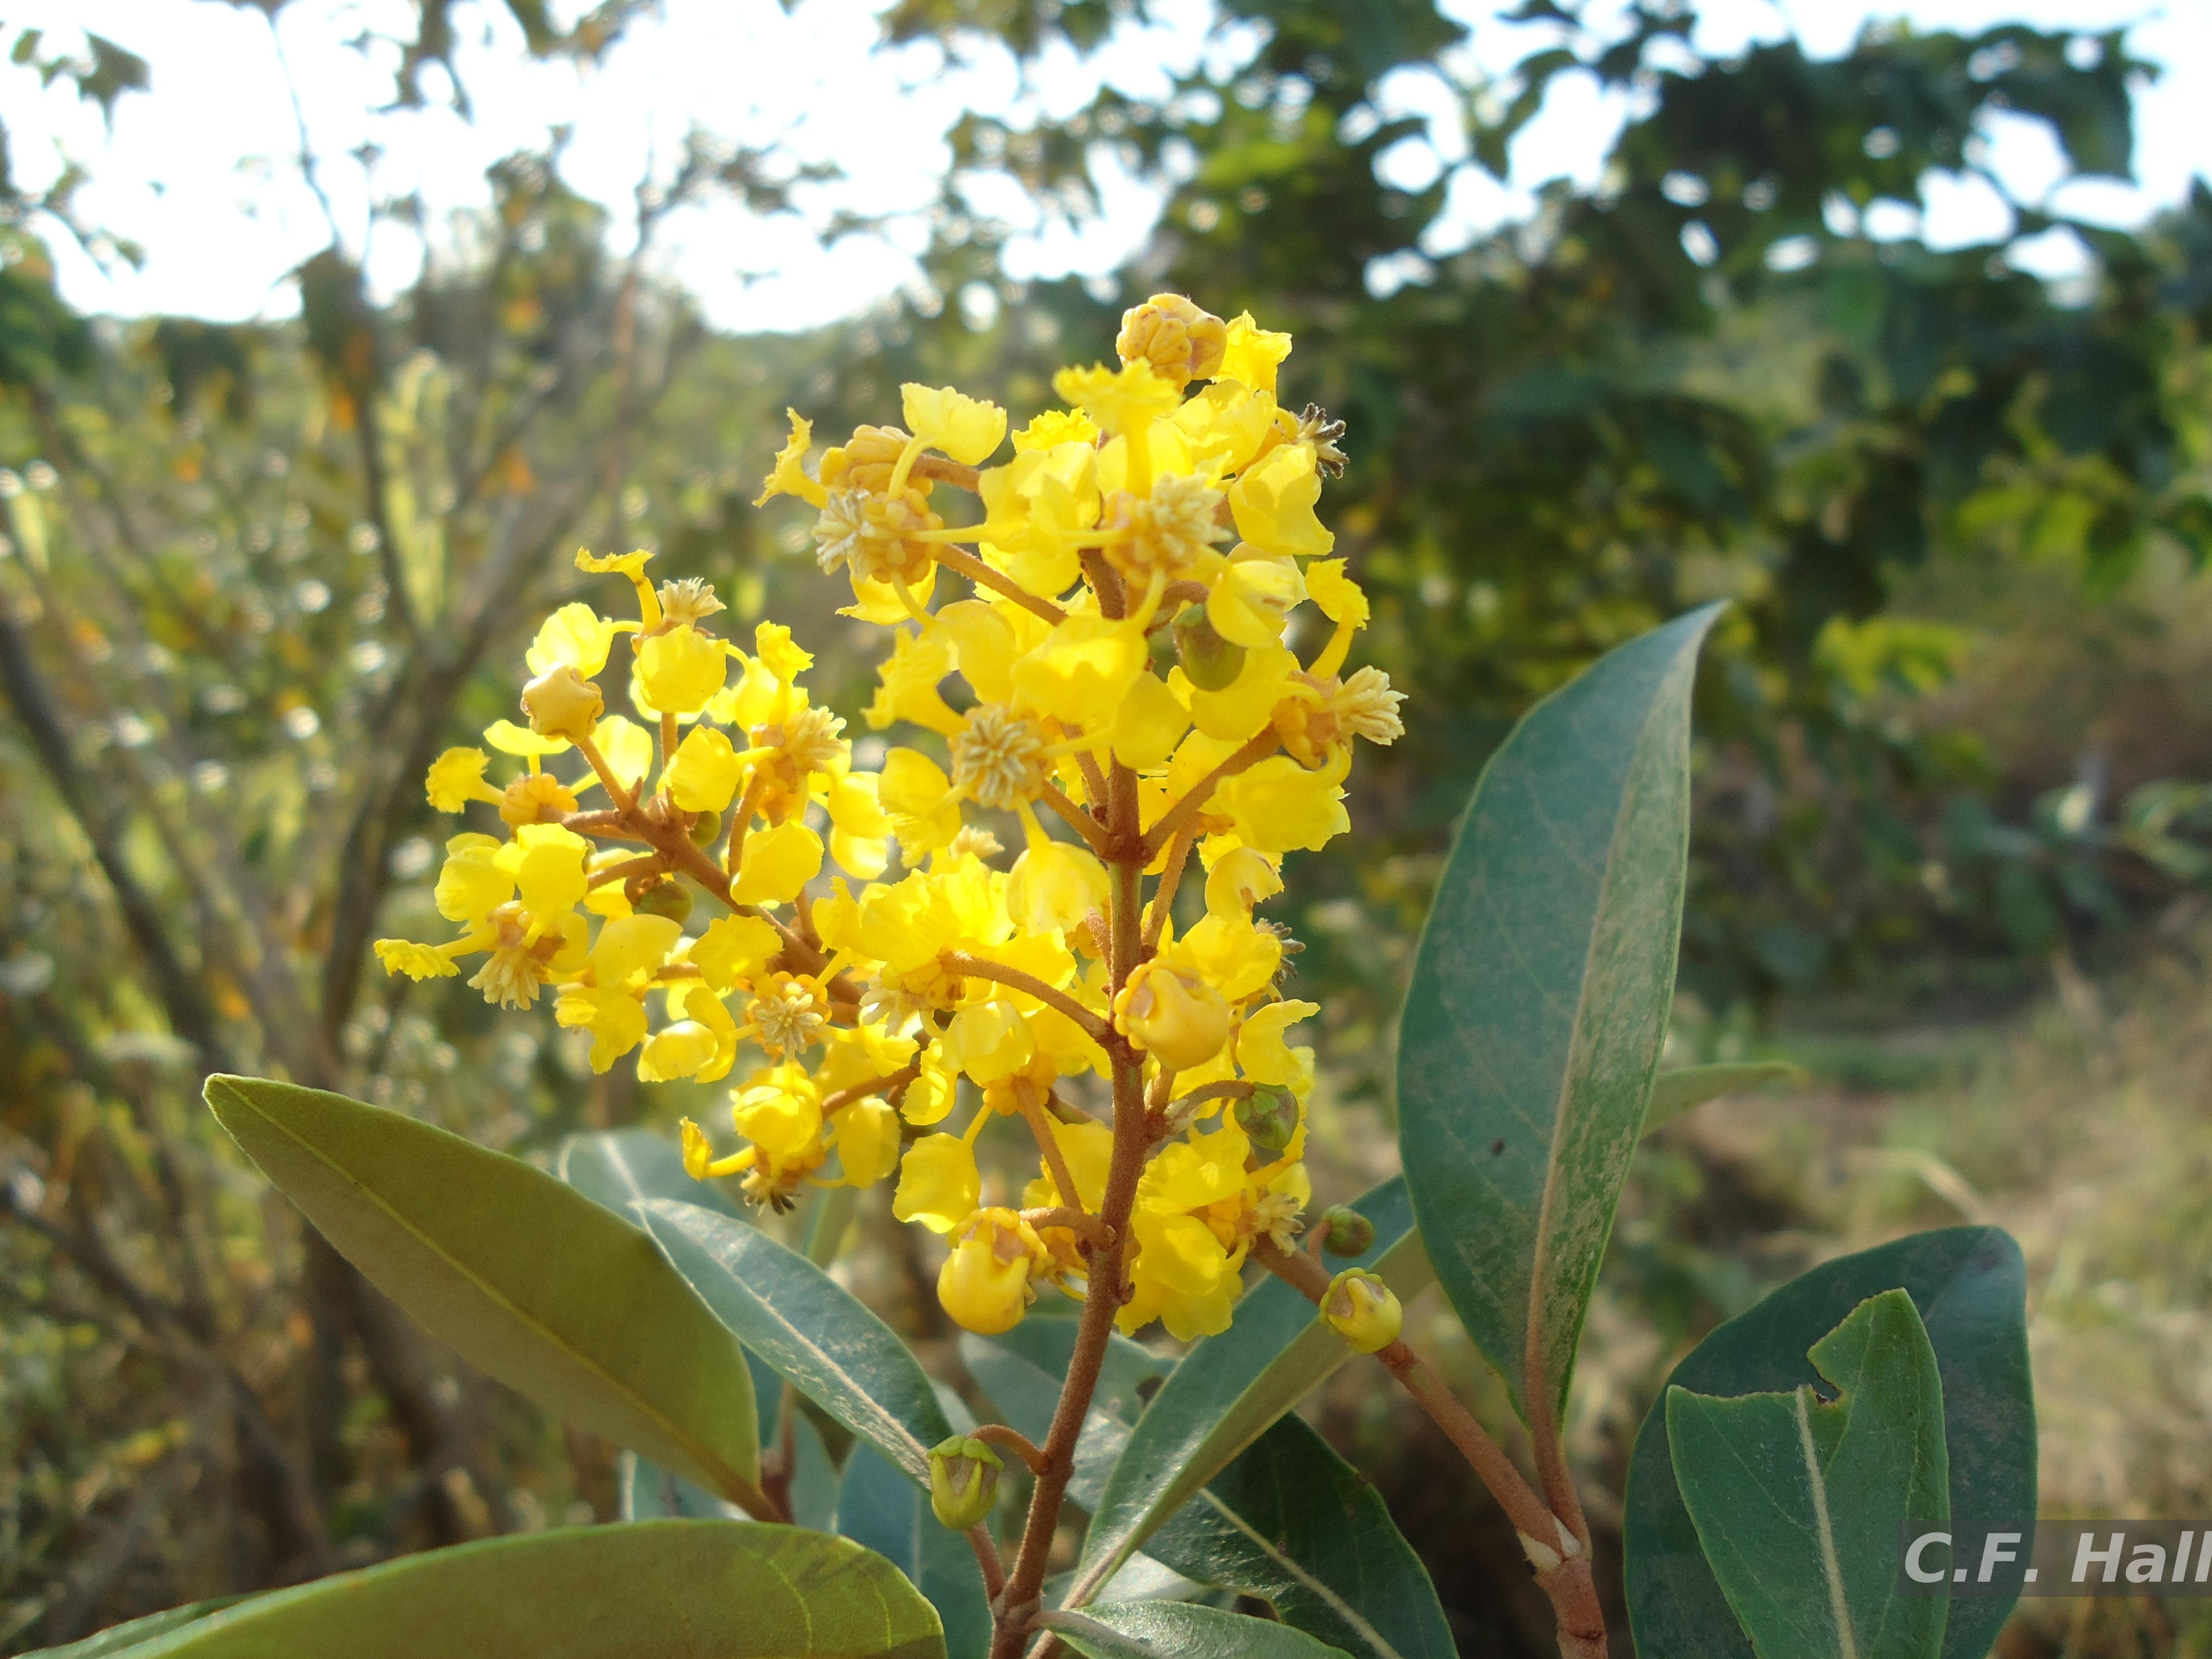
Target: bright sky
pixel 204 173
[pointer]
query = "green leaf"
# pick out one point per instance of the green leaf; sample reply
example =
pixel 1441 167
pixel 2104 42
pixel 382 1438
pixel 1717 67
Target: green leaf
pixel 622 1167
pixel 815 1333
pixel 1288 1522
pixel 120 1639
pixel 528 1279
pixel 1799 1503
pixel 878 1506
pixel 1970 1286
pixel 1687 1087
pixel 649 1492
pixel 663 1590
pixel 1540 997
pixel 1177 1630
pixel 1229 1388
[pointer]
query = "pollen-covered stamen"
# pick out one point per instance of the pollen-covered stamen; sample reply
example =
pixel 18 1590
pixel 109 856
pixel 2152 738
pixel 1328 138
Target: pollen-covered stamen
pixel 1276 1216
pixel 999 758
pixel 1168 531
pixel 1326 437
pixel 690 600
pixel 1368 706
pixel 787 1013
pixel 975 839
pixel 517 968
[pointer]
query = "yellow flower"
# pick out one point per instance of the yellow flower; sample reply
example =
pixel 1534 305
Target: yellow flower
pixel 681 669
pixel 402 956
pixel 1338 596
pixel 987 1041
pixel 1054 885
pixel 614 1018
pixel 1182 1276
pixel 1240 879
pixel 706 772
pixel 1255 593
pixel 629 952
pixel 1262 1052
pixel 776 864
pixel 733 948
pixel 1252 354
pixel 788 475
pixel 1279 806
pixel 1053 427
pixel 457 777
pixel 929 1097
pixel 547 862
pixel 561 703
pixel 1362 1310
pixel 867 1142
pixel 1173 1013
pixel 966 428
pixel 1120 399
pixel 1087 664
pixel 536 798
pixel 985 1283
pixel 908 679
pixel 470 883
pixel 1237 958
pixel 576 636
pixel 1149 723
pixel 1273 501
pixel 939 1183
pixel 684 1050
pixel 925 813
pixel 779 1111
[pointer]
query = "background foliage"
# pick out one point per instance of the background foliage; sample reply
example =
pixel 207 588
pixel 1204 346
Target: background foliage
pixel 1952 729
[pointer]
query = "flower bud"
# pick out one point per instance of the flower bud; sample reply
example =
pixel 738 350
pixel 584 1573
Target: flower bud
pixel 1174 1014
pixel 672 899
pixel 964 1481
pixel 562 704
pixel 1362 1310
pixel 1182 341
pixel 1209 662
pixel 1345 1232
pixel 1269 1115
pixel 707 829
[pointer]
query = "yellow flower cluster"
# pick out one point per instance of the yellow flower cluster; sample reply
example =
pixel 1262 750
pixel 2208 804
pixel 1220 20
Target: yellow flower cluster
pixel 1123 668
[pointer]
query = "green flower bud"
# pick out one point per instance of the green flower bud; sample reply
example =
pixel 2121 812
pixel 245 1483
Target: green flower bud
pixel 1269 1115
pixel 1210 662
pixel 672 899
pixel 1345 1232
pixel 1362 1310
pixel 964 1481
pixel 707 829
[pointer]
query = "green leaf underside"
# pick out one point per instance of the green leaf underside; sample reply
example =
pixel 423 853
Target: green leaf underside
pixel 878 1507
pixel 1176 1630
pixel 817 1335
pixel 123 1638
pixel 1229 1388
pixel 622 1167
pixel 649 1492
pixel 1540 999
pixel 1969 1285
pixel 528 1279
pixel 1289 1521
pixel 1798 1502
pixel 1687 1087
pixel 662 1589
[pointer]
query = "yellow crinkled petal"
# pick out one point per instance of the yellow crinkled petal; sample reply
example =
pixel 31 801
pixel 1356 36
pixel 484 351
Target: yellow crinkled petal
pixel 705 774
pixel 684 1050
pixel 929 1097
pixel 939 1183
pixel 1118 399
pixel 614 1018
pixel 879 602
pixel 773 646
pixel 1056 427
pixel 627 748
pixel 630 564
pixel 1273 501
pixel 966 428
pixel 574 634
pixel 548 865
pixel 1149 724
pixel 788 475
pixel 867 1141
pixel 457 777
pixel 1253 353
pixel 908 679
pixel 681 669
pixel 631 950
pixel 404 956
pixel 1278 806
pixel 608 899
pixel 733 948
pixel 1254 594
pixel 471 884
pixel 1053 885
pixel 1240 879
pixel 984 647
pixel 776 864
pixel 512 739
pixel 1245 705
pixel 1339 598
pixel 1262 1055
pixel 1238 958
pixel 1084 667
pixel 1225 424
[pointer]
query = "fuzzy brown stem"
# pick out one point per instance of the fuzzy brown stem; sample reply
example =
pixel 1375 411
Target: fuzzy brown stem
pixel 987 1556
pixel 1033 1113
pixel 1014 1440
pixel 1077 819
pixel 1164 896
pixel 955 558
pixel 976 967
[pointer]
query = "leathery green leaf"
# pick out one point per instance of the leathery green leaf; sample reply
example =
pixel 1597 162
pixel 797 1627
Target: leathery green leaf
pixel 1540 997
pixel 878 1506
pixel 1229 1388
pixel 1687 1087
pixel 1970 1286
pixel 662 1589
pixel 1798 1500
pixel 815 1333
pixel 622 1167
pixel 1177 1630
pixel 528 1279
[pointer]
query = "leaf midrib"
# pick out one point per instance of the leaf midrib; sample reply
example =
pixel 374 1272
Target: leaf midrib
pixel 735 1486
pixel 1831 1566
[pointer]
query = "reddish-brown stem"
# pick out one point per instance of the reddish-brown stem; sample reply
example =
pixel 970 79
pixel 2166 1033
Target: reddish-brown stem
pixel 960 477
pixel 1094 779
pixel 959 559
pixel 1236 1090
pixel 617 790
pixel 1014 1440
pixel 1173 820
pixel 1033 1113
pixel 646 864
pixel 1079 820
pixel 1091 1230
pixel 879 1085
pixel 1164 896
pixel 1560 1557
pixel 987 1556
pixel 974 967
